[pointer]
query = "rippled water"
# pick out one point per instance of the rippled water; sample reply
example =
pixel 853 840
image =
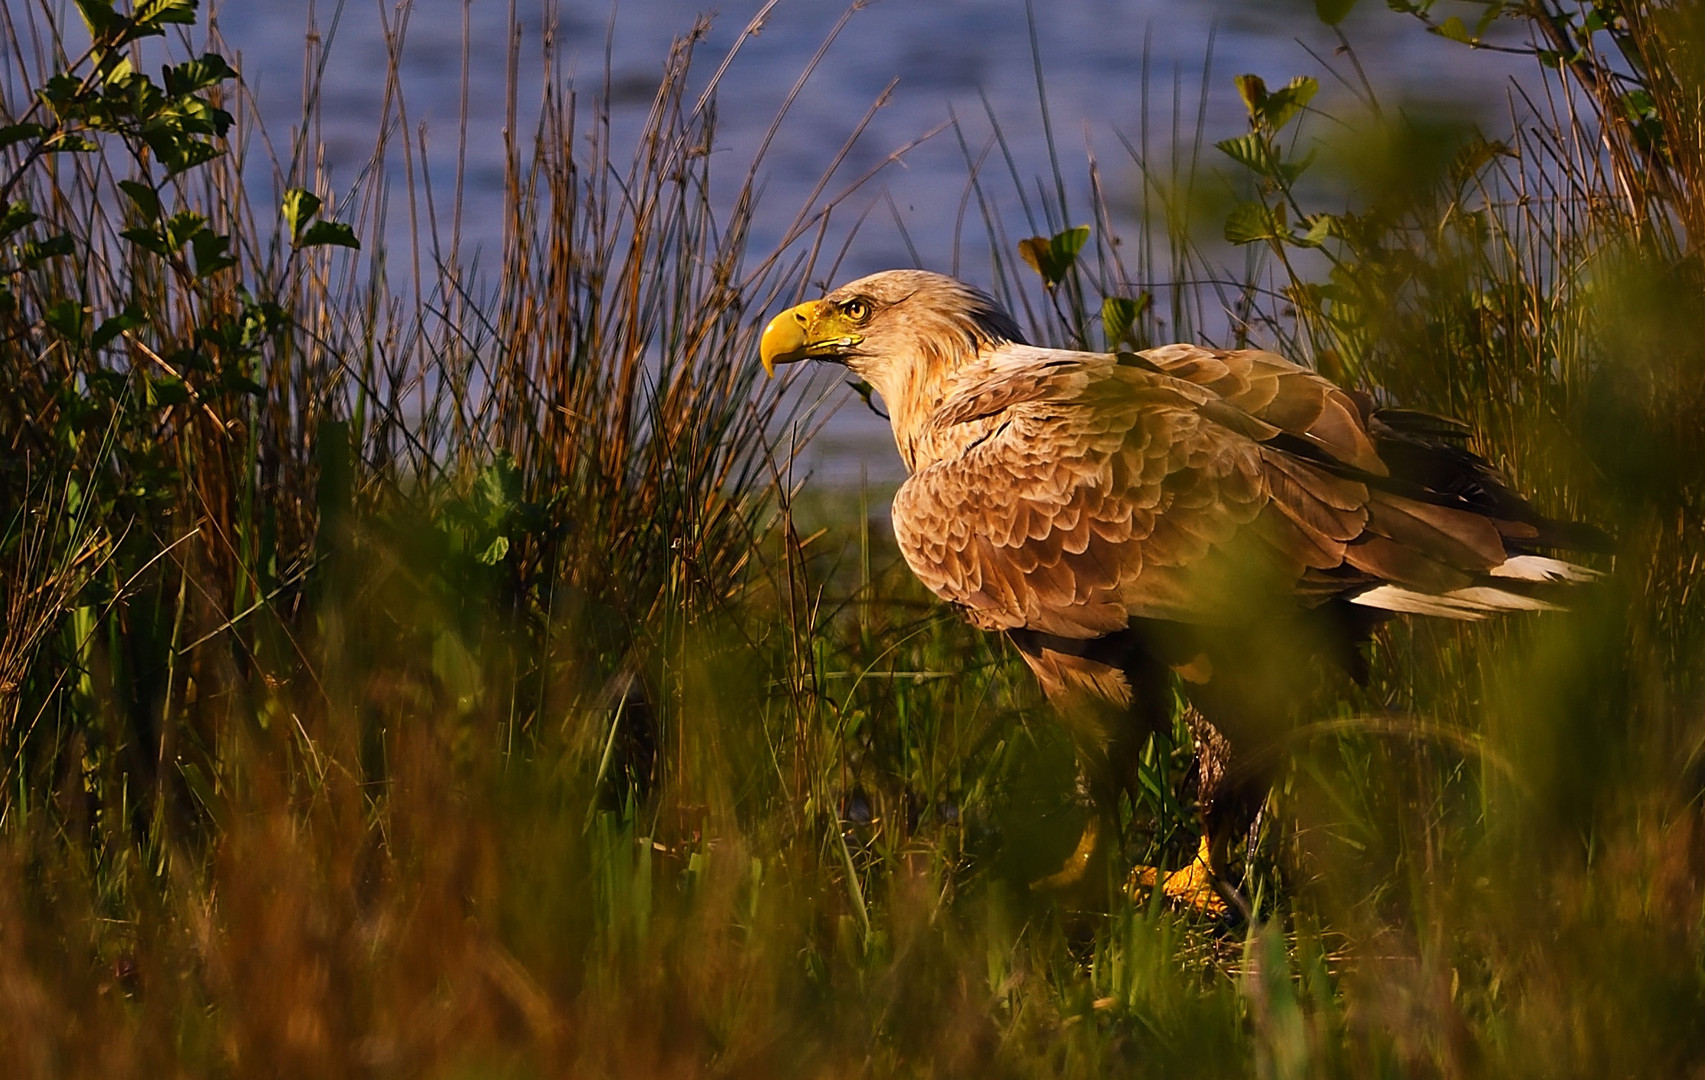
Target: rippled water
pixel 949 57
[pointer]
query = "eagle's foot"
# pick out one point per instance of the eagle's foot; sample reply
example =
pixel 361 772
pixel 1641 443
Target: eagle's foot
pixel 1076 869
pixel 1193 886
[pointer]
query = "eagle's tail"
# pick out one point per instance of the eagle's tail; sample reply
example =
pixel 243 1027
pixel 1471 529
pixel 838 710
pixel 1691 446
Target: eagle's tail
pixel 1518 584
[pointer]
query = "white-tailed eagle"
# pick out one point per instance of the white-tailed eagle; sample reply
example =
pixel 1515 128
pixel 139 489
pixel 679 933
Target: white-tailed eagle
pixel 1223 514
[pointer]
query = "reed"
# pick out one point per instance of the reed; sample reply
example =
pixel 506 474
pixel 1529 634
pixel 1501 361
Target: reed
pixel 440 672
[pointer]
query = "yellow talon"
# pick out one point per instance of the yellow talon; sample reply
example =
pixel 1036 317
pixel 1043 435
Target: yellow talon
pixel 1076 867
pixel 1191 886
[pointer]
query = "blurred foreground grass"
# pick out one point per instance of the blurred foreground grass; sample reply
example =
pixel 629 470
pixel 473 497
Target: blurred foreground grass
pixel 450 685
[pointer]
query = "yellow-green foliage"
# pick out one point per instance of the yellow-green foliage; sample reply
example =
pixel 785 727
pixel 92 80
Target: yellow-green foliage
pixel 442 682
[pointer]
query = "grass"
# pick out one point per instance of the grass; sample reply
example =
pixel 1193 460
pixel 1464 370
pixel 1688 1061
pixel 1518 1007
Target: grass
pixel 432 679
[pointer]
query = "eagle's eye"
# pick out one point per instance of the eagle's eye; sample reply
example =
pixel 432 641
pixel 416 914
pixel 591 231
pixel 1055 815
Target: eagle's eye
pixel 856 310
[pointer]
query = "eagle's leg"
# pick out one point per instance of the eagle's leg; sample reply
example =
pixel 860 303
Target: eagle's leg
pixel 1201 882
pixel 1222 799
pixel 1106 761
pixel 1113 693
pixel 1255 685
pixel 1110 698
pixel 1085 869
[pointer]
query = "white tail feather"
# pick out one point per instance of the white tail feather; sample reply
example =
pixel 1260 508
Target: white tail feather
pixel 1473 603
pixel 1540 568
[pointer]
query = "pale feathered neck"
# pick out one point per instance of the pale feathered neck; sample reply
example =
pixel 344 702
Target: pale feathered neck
pixel 917 360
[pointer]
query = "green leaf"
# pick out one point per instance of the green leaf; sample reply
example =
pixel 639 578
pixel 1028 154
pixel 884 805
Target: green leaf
pixel 128 319
pixel 1454 29
pixel 1249 150
pixel 116 70
pixel 1253 221
pixel 183 225
pixel 15 217
pixel 300 206
pixel 210 252
pixel 329 232
pixel 177 152
pixel 1034 250
pixel 65 316
pixel 233 381
pixel 190 359
pixel 260 319
pixel 37 252
pixel 1320 227
pixel 147 200
pixel 193 75
pixel 1119 315
pixel 205 792
pixel 1282 104
pixel 148 240
pixel 128 100
pixel 69 142
pixel 62 93
pixel 497 489
pixel 1549 58
pixel 1274 109
pixel 1070 242
pixel 1290 170
pixel 184 119
pixel 222 333
pixel 106 383
pixel 17 133
pixel 1496 8
pixel 167 390
pixel 221 120
pixel 1638 105
pixel 1332 12
pixel 155 14
pixel 99 17
pixel 1253 90
pixel 495 552
pixel 1053 257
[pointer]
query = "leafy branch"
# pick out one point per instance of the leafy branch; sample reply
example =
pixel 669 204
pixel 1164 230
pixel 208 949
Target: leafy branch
pixel 167 127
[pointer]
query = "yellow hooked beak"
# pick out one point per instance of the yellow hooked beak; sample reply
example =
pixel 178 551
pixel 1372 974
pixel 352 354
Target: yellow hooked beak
pixel 813 329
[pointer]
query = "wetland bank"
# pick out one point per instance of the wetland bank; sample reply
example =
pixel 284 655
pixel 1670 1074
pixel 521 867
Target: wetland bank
pixel 416 664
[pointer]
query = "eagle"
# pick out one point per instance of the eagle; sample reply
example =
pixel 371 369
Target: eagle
pixel 1225 516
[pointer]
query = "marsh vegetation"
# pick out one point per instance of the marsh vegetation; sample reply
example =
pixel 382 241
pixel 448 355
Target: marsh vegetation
pixel 414 674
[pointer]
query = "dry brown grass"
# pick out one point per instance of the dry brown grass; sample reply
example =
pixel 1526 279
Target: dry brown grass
pixel 466 702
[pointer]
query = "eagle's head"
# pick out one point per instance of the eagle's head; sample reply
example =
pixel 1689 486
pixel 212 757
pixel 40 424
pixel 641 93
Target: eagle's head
pixel 888 326
pixel 905 332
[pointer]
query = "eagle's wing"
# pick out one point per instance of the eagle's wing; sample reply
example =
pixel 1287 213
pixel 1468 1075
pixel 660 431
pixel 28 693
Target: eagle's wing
pixel 1086 489
pixel 1287 396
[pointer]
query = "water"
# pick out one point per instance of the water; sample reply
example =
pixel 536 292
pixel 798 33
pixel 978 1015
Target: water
pixel 948 57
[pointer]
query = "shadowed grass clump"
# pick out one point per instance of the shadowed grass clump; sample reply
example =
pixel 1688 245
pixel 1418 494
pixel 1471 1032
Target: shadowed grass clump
pixel 433 678
pixel 214 406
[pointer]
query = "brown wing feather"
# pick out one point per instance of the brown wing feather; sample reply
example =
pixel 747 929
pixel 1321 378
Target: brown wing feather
pixel 1092 495
pixel 1066 493
pixel 1288 396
